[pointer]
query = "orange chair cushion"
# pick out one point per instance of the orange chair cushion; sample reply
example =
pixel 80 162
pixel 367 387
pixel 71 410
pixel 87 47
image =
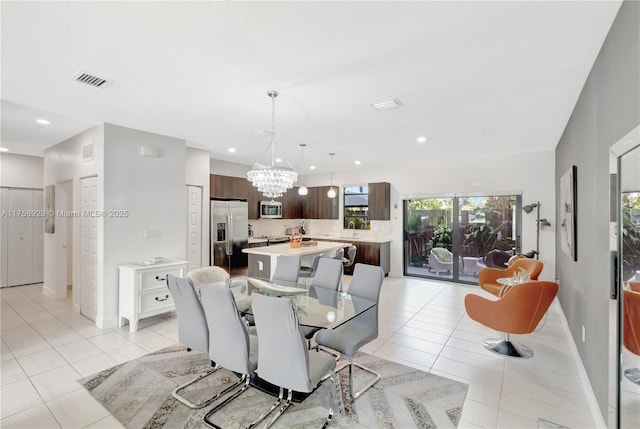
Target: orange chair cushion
pixel 517 312
pixel 631 321
pixel 487 277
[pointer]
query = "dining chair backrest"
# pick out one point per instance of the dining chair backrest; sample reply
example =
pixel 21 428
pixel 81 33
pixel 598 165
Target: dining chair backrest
pixel 339 255
pixel 366 283
pixel 193 331
pixel 283 358
pixel 228 337
pixel 328 274
pixel 287 268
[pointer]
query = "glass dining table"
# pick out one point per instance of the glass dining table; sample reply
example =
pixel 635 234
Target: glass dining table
pixel 316 307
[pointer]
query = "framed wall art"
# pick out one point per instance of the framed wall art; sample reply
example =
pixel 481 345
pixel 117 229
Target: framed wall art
pixel 568 212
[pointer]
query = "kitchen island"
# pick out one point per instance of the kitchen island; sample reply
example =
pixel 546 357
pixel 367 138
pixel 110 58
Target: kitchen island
pixel 263 260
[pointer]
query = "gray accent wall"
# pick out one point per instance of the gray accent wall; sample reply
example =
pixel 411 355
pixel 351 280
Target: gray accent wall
pixel 607 109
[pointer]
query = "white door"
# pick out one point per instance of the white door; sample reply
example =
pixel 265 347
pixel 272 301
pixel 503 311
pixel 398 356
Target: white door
pixel 89 248
pixel 20 234
pixel 37 228
pixel 194 227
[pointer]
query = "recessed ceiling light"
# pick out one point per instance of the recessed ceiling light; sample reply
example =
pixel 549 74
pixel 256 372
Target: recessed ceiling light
pixel 421 139
pixel 262 133
pixel 356 162
pixel 4 149
pixel 312 167
pixel 388 104
pixel 475 184
pixel 278 159
pixel 43 122
pixel 231 149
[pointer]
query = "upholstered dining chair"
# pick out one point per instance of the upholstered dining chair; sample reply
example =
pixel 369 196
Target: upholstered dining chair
pixel 283 358
pixel 328 276
pixel 230 345
pixel 349 337
pixel 518 311
pixel 351 256
pixel 287 268
pixel 193 331
pixel 631 329
pixel 309 271
pixel 488 277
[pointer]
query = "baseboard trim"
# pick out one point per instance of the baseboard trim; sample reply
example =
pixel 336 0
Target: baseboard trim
pixel 582 372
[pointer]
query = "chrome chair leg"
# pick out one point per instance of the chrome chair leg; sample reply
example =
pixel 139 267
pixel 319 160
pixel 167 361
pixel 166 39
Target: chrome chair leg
pixel 281 410
pixel 333 403
pixel 244 381
pixel 269 411
pixel 185 401
pixel 350 363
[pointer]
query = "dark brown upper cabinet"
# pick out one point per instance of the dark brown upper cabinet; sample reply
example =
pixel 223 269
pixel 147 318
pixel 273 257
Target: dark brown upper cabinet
pixel 379 201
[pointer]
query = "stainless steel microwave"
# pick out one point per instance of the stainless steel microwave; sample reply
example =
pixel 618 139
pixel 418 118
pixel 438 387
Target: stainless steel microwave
pixel 270 210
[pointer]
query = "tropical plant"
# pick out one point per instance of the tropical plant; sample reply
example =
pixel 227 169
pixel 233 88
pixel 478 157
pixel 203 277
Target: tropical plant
pixel 478 237
pixel 414 222
pixel 441 238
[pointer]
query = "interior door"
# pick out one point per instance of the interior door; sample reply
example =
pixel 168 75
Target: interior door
pixel 20 239
pixel 194 227
pixel 89 248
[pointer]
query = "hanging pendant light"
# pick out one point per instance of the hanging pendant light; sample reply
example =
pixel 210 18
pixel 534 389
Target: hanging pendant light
pixel 331 193
pixel 302 190
pixel 272 181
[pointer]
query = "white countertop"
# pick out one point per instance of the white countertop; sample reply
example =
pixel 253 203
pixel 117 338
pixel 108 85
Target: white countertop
pixel 253 240
pixel 286 249
pixel 347 238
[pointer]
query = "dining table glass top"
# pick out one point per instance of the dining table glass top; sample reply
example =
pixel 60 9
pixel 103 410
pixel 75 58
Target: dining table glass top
pixel 316 307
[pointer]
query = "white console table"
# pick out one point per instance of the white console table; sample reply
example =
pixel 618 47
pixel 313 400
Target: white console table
pixel 143 290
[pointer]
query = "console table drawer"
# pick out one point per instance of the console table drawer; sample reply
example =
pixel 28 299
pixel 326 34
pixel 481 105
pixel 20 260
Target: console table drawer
pixel 158 278
pixel 157 300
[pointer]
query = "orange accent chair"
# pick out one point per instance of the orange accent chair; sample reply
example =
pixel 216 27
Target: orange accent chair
pixel 631 329
pixel 517 312
pixel 488 277
pixel 634 286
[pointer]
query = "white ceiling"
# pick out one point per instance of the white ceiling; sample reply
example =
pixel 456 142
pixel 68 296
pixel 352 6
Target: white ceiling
pixel 474 77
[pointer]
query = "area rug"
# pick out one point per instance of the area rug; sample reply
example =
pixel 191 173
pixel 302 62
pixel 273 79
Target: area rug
pixel 138 394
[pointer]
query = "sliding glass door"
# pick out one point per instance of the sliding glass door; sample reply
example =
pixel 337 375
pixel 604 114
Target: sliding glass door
pixel 453 238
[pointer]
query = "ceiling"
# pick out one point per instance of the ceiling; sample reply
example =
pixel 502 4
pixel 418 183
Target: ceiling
pixel 474 78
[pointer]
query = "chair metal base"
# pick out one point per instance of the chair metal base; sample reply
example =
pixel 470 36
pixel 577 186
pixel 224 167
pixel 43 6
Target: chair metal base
pixel 287 403
pixel 633 374
pixel 185 401
pixel 243 382
pixel 505 347
pixel 350 363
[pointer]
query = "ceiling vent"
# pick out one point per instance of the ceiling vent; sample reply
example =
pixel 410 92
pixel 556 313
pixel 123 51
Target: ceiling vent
pixel 388 104
pixel 91 79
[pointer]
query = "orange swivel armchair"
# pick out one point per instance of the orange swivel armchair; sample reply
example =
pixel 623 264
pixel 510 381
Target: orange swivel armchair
pixel 631 330
pixel 517 312
pixel 488 277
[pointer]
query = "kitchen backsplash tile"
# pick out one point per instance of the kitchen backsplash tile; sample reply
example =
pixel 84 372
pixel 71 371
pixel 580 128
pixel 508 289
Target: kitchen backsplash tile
pixel 277 227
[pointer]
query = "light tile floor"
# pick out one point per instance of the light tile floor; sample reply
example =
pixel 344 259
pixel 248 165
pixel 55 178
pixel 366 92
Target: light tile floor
pixel 46 347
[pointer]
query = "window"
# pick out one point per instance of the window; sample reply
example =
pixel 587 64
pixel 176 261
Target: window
pixel 356 207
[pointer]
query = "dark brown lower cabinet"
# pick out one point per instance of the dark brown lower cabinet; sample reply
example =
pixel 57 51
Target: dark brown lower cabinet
pixel 372 254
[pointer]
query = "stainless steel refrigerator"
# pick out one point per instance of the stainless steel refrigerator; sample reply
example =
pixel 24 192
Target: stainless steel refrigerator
pixel 229 233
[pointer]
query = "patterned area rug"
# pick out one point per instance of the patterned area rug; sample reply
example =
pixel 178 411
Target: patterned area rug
pixel 138 394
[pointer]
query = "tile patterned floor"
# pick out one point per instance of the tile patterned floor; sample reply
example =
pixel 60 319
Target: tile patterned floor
pixel 46 347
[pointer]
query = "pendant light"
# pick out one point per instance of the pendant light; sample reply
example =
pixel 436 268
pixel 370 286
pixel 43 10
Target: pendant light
pixel 331 193
pixel 302 190
pixel 272 181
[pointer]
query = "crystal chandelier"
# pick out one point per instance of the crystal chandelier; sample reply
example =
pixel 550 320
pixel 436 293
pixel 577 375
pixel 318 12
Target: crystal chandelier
pixel 272 181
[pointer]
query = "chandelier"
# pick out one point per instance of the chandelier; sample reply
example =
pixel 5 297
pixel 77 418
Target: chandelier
pixel 272 181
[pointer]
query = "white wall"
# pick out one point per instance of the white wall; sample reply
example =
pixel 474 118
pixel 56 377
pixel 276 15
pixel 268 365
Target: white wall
pixel 153 190
pixel 21 171
pixel 197 174
pixel 63 162
pixel 529 174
